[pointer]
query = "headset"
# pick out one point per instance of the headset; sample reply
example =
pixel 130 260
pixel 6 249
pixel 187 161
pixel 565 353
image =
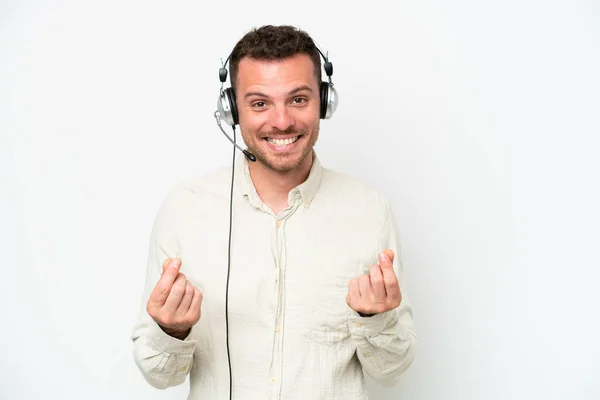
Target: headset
pixel 227 111
pixel 227 105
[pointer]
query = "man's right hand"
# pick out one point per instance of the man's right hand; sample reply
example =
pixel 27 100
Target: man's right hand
pixel 174 303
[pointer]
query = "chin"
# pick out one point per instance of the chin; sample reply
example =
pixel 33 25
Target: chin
pixel 283 163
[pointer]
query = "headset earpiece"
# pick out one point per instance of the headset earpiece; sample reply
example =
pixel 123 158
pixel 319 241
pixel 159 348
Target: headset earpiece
pixel 324 95
pixel 329 100
pixel 233 102
pixel 227 108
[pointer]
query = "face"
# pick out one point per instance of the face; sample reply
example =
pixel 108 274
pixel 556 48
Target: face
pixel 278 106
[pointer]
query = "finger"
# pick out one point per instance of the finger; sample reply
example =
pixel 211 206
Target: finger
pixel 353 291
pixel 377 284
pixel 385 260
pixel 184 306
pixel 353 287
pixel 195 306
pixel 390 254
pixel 364 284
pixel 389 275
pixel 166 264
pixel 176 294
pixel 163 287
pixel 169 274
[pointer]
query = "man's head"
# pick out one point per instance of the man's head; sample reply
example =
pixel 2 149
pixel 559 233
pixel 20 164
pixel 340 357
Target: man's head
pixel 276 76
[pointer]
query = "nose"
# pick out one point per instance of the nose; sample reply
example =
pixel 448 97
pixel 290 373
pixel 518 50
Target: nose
pixel 280 118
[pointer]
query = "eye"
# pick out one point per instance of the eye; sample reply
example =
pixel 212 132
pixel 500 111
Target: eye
pixel 299 100
pixel 259 104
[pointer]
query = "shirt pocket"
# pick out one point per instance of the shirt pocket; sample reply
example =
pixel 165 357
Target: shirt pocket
pixel 328 333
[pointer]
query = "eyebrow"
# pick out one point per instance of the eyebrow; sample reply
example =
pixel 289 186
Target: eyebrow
pixel 296 90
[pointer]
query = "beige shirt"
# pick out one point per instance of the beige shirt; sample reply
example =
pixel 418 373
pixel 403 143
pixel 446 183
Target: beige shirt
pixel 292 335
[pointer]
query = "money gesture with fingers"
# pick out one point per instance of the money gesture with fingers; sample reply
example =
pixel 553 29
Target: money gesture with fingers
pixel 378 291
pixel 174 303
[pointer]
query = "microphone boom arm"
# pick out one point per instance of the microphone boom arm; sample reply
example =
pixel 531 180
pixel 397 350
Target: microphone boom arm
pixel 249 155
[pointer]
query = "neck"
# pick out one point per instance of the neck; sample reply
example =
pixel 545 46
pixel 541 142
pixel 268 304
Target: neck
pixel 273 187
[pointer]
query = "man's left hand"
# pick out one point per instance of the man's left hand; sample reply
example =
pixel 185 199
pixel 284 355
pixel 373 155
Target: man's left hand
pixel 377 291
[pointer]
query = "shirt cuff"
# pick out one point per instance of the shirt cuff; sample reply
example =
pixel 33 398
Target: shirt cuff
pixel 372 326
pixel 168 344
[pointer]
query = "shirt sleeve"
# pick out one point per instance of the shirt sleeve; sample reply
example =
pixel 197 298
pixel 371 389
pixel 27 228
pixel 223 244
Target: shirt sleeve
pixel 386 342
pixel 163 360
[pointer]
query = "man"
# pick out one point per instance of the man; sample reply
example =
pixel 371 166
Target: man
pixel 314 295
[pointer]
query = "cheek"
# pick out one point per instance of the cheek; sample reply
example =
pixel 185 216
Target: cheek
pixel 312 115
pixel 309 122
pixel 251 123
pixel 306 118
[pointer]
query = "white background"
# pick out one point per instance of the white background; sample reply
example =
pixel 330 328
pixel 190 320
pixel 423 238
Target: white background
pixel 478 119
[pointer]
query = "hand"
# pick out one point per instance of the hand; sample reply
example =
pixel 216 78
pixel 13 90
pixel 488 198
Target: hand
pixel 377 291
pixel 174 303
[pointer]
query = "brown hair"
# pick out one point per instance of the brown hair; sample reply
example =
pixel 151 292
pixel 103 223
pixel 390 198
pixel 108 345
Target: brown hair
pixel 273 43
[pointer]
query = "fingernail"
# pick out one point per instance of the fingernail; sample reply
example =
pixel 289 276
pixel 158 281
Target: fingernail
pixel 382 256
pixel 175 263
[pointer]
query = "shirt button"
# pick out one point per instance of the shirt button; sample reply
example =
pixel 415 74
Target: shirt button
pixel 277 329
pixel 357 324
pixel 278 223
pixel 273 380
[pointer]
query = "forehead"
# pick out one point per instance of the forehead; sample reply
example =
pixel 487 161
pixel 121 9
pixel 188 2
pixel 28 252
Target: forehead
pixel 298 69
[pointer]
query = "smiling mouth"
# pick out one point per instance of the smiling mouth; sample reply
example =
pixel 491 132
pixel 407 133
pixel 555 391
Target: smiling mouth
pixel 282 142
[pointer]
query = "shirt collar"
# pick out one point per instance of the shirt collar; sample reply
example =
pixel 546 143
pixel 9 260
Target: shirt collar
pixel 307 190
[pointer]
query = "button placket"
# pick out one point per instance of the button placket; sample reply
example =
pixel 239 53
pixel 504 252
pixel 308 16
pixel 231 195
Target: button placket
pixel 280 259
pixel 279 250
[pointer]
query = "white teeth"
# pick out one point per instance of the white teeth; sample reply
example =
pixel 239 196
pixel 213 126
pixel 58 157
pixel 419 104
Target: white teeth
pixel 282 142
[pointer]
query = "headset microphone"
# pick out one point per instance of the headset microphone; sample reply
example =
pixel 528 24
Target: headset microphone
pixel 248 155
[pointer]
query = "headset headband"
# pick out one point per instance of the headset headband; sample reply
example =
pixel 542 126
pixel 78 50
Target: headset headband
pixel 328 66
